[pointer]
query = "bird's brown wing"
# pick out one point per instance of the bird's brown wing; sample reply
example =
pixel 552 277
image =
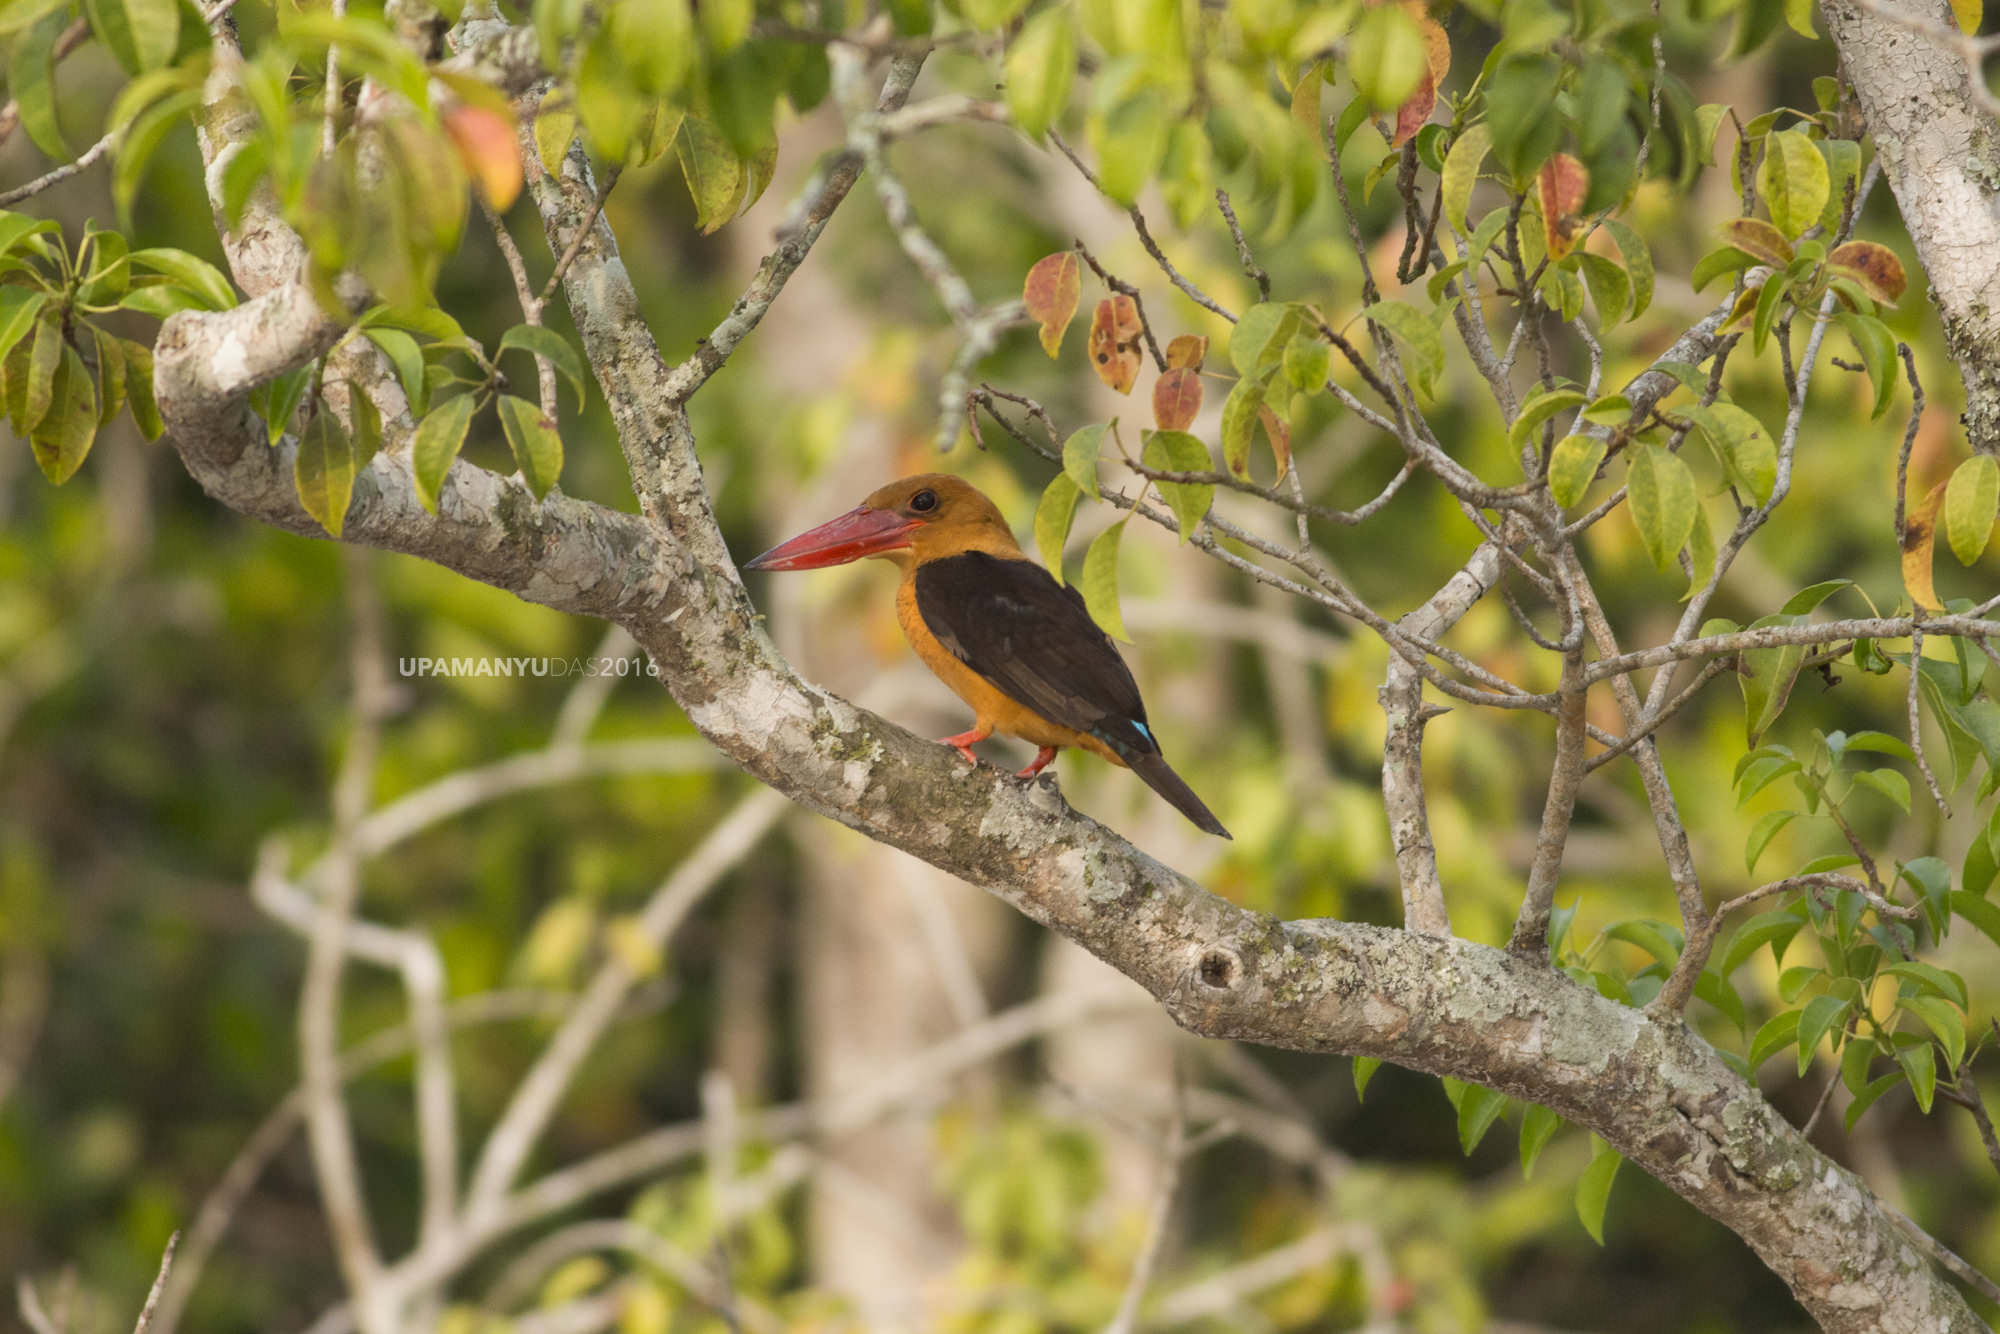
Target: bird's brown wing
pixel 1013 624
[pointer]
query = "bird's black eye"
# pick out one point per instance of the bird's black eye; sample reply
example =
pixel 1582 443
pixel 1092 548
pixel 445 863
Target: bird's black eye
pixel 924 501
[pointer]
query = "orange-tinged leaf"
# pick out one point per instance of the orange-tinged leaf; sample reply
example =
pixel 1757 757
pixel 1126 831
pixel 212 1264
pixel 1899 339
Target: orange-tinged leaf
pixel 1279 433
pixel 1563 182
pixel 1187 350
pixel 1416 109
pixel 1919 538
pixel 1176 399
pixel 1114 342
pixel 491 150
pixel 1051 293
pixel 1874 267
pixel 1437 46
pixel 1758 239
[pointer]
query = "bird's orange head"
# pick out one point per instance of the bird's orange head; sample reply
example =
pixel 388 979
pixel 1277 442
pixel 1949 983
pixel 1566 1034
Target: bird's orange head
pixel 909 522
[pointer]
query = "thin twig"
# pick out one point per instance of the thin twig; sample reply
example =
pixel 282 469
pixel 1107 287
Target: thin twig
pixel 159 1285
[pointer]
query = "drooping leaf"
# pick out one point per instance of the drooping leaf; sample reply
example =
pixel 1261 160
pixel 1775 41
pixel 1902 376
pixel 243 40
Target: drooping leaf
pixel 1260 337
pixel 1053 515
pixel 1746 448
pixel 1661 494
pixel 1080 457
pixel 1308 360
pixel 1099 581
pixel 1461 172
pixel 1971 501
pixel 1176 399
pixel 1387 56
pixel 63 438
pixel 437 441
pixel 1919 537
pixel 716 179
pixel 1177 451
pixel 1041 65
pixel 490 147
pixel 1114 342
pixel 1561 185
pixel 542 341
pixel 31 81
pixel 1050 294
pixel 1759 240
pixel 1638 263
pixel 1573 466
pixel 1793 181
pixel 139 389
pixel 140 34
pixel 324 470
pixel 408 360
pixel 1418 336
pixel 1877 347
pixel 1593 1189
pixel 538 450
pixel 1478 1109
pixel 1239 424
pixel 1538 1125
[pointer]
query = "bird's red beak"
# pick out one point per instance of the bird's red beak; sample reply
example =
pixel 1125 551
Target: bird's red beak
pixel 857 533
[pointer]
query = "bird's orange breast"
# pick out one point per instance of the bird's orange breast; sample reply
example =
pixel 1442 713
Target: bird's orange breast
pixel 990 705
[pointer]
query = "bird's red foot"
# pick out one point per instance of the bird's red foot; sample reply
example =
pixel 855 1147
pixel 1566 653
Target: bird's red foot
pixel 964 742
pixel 1042 758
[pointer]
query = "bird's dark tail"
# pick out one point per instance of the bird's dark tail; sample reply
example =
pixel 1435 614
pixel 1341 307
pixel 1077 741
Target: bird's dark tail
pixel 1162 779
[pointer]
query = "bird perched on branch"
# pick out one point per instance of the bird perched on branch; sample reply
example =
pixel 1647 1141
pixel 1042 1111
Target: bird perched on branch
pixel 997 628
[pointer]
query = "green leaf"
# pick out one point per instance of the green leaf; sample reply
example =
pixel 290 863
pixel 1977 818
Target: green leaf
pixel 1520 103
pixel 1721 993
pixel 1762 833
pixel 404 354
pixel 1822 1015
pixel 1478 1109
pixel 282 401
pixel 1364 1070
pixel 1593 1189
pixel 1781 1030
pixel 1971 500
pixel 324 470
pixel 437 441
pixel 1538 409
pixel 1129 135
pixel 537 448
pixel 31 80
pixel 1260 337
pixel 1308 360
pixel 1573 466
pixel 63 439
pixel 1929 979
pixel 1099 581
pixel 140 34
pixel 1793 181
pixel 1041 65
pixel 716 179
pixel 1386 56
pixel 1746 449
pixel 1080 457
pixel 1877 347
pixel 1538 1125
pixel 1868 1097
pixel 1053 515
pixel 43 360
pixel 1461 172
pixel 1239 424
pixel 1178 451
pixel 1661 493
pixel 19 307
pixel 194 275
pixel 1889 783
pixel 1920 1066
pixel 139 389
pixel 1775 929
pixel 1638 263
pixel 1419 337
pixel 545 342
pixel 1610 289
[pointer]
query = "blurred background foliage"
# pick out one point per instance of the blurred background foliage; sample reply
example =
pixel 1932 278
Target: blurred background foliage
pixel 175 690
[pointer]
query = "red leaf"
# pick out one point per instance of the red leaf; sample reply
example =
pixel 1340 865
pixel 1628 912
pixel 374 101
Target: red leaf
pixel 491 150
pixel 1874 267
pixel 1051 293
pixel 1176 399
pixel 1563 182
pixel 1114 342
pixel 1410 116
